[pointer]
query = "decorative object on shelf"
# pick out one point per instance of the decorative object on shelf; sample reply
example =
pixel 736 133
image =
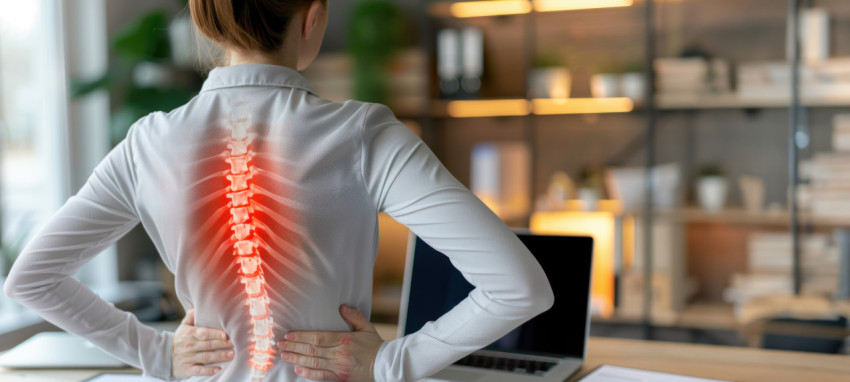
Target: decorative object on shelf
pixel 156 79
pixel 473 61
pixel 633 81
pixel 375 35
pixel 627 80
pixel 605 85
pixel 561 189
pixel 814 30
pixel 628 185
pixel 590 188
pixel 460 62
pixel 712 188
pixel 692 76
pixel 550 77
pixel 633 85
pixel 752 193
pixel 500 177
pixel 448 62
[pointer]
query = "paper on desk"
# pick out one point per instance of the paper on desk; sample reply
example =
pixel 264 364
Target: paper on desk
pixel 122 378
pixel 608 373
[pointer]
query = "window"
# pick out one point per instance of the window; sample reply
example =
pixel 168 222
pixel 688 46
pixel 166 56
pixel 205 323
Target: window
pixel 35 144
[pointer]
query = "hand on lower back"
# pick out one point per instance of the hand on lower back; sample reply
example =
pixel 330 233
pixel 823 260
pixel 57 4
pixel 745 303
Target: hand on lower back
pixel 192 348
pixel 335 356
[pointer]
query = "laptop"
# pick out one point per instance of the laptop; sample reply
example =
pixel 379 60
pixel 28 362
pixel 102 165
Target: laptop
pixel 58 350
pixel 549 347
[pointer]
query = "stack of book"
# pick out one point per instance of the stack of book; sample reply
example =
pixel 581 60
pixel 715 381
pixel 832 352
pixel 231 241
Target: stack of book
pixel 828 193
pixel 772 80
pixel 692 77
pixel 770 267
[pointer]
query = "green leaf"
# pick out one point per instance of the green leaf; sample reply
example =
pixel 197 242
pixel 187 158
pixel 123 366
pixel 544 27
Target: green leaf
pixel 376 30
pixel 140 102
pixel 144 39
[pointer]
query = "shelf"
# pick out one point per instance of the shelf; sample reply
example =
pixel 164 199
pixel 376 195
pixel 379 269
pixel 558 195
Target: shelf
pixel 735 101
pixel 744 217
pixel 711 316
pixel 518 107
pixel 489 8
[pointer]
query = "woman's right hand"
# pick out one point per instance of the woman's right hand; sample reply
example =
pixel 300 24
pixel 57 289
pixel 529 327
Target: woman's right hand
pixel 194 347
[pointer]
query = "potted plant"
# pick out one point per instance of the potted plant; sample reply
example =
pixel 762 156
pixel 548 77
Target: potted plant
pixel 375 35
pixel 550 77
pixel 606 83
pixel 590 188
pixel 712 187
pixel 145 71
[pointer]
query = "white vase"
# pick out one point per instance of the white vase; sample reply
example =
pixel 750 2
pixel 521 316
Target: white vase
pixel 633 85
pixel 711 192
pixel 589 198
pixel 605 85
pixel 550 83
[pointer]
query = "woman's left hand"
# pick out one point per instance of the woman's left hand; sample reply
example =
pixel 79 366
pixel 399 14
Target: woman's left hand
pixel 194 347
pixel 335 356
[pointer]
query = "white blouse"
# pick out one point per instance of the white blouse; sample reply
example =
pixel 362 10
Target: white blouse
pixel 262 198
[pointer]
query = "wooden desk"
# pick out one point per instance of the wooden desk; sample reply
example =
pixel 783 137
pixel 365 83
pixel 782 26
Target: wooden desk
pixel 720 362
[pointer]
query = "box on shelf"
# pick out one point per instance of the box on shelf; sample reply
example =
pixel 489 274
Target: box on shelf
pixel 500 175
pixel 841 133
pixel 772 80
pixel 627 184
pixel 770 267
pixel 692 76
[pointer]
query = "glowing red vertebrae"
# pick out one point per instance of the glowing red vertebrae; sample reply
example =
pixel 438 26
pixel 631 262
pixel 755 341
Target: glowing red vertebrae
pixel 245 247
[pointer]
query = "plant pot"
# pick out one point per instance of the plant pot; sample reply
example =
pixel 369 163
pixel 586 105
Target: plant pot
pixel 711 192
pixel 605 85
pixel 589 198
pixel 550 83
pixel 633 85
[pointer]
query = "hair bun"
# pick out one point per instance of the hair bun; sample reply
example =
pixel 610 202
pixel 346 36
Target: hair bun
pixel 250 25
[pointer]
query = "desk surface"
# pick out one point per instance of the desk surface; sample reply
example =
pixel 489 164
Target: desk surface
pixel 720 362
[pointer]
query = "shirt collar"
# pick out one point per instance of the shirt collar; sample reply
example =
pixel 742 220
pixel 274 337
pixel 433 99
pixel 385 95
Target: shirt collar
pixel 255 75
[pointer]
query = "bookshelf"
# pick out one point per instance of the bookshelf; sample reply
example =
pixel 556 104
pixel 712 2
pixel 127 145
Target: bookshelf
pixel 440 124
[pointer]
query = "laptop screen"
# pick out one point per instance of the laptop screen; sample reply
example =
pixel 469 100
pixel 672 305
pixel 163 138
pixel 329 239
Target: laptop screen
pixel 435 287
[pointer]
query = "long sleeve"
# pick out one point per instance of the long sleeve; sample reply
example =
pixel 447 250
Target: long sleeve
pixel 41 279
pixel 409 183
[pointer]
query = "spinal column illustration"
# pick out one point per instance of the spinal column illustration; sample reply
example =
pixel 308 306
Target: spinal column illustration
pixel 245 246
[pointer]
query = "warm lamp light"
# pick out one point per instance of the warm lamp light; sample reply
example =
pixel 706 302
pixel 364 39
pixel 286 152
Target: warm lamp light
pixel 600 226
pixel 490 8
pixel 488 108
pixel 548 106
pixel 570 5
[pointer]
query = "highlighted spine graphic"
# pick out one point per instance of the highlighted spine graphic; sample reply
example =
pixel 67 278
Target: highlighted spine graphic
pixel 245 245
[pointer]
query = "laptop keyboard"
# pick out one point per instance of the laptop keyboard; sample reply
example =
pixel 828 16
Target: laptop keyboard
pixel 506 364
